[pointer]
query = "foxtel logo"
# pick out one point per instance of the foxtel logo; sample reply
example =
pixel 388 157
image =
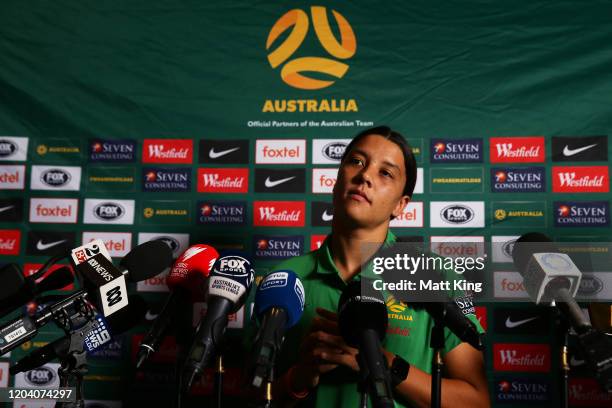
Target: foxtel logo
pixel 411 216
pixel 516 149
pixel 521 357
pixel 571 179
pixel 223 180
pixel 279 213
pixel 167 151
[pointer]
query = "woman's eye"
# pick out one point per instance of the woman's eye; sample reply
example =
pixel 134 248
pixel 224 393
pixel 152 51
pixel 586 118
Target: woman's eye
pixel 386 173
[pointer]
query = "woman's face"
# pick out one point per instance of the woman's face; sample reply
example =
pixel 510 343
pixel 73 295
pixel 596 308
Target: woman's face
pixel 370 183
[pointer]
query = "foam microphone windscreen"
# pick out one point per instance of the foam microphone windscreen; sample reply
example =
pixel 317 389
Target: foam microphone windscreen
pixel 527 245
pixel 147 260
pixel 12 280
pixel 129 316
pixel 55 280
pixel 361 308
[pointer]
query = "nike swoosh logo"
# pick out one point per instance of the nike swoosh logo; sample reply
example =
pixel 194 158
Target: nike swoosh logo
pixel 43 247
pixel 215 155
pixel 510 324
pixel 3 209
pixel 567 152
pixel 326 216
pixel 269 183
pixel 151 316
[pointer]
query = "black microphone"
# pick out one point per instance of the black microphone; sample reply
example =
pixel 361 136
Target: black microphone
pixel 30 289
pixel 363 320
pixel 228 286
pixel 439 306
pixel 22 329
pixel 98 337
pixel 146 260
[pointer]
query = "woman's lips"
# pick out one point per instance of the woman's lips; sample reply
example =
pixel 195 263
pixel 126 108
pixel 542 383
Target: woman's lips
pixel 357 196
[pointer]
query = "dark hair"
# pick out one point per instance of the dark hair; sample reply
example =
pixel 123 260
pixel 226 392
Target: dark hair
pixel 400 141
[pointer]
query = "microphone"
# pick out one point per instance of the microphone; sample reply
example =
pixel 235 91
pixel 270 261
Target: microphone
pixel 549 276
pixel 105 283
pixel 279 304
pixel 187 275
pixel 450 315
pixel 146 261
pixel 362 319
pixel 22 329
pixel 552 277
pixel 108 283
pixel 30 289
pixel 439 306
pixel 99 336
pixel 228 286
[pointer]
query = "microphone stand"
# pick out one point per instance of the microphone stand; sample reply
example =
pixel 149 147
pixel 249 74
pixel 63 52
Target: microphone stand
pixel 268 403
pixel 362 385
pixel 218 388
pixel 74 359
pixel 436 342
pixel 562 329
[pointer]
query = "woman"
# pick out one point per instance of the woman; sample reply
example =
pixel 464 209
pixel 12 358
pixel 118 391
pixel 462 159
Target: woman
pixel 375 181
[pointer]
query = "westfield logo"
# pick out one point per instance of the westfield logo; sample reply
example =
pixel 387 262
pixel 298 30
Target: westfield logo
pixel 279 213
pixel 517 149
pixel 224 180
pixel 521 357
pixel 593 179
pixel 167 151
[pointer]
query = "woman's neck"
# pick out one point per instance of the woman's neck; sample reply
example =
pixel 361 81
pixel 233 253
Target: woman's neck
pixel 348 249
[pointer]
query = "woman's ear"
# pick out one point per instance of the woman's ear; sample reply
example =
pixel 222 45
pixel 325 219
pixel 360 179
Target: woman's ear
pixel 399 208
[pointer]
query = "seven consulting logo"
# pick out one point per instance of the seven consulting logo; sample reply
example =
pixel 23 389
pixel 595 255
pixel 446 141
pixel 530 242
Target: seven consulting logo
pixel 582 214
pixel 533 390
pixel 456 151
pixel 222 212
pixel 518 180
pixel 295 71
pixel 277 247
pixel 112 151
pixel 157 179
